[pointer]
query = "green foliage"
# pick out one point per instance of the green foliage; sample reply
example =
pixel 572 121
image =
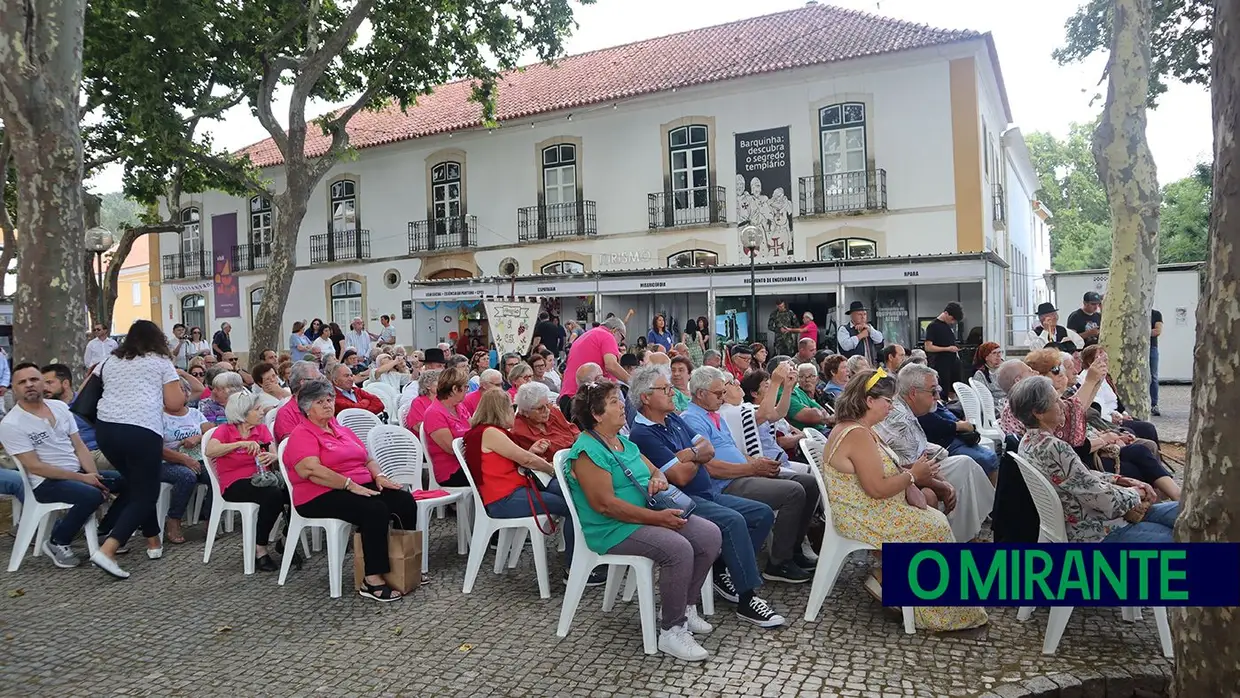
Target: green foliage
pixel 117 212
pixel 1184 226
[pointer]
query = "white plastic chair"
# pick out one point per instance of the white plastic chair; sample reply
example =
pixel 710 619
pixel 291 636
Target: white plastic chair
pixel 219 505
pixel 484 526
pixel 400 458
pixel 737 429
pixel 16 510
pixel 815 436
pixel 34 525
pixel 358 421
pixel 464 506
pixel 989 415
pixel 386 393
pixel 1051 529
pixel 972 406
pixel 835 548
pixel 270 419
pixel 336 529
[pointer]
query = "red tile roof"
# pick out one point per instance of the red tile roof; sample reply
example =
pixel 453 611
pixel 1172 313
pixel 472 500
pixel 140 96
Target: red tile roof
pixel 806 36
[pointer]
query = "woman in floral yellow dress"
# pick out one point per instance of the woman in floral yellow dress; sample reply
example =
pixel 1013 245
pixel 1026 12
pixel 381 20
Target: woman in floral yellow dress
pixel 867 491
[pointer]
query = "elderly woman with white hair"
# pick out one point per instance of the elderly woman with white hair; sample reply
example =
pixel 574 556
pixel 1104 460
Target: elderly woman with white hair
pixel 427 384
pixel 182 465
pixel 236 450
pixel 804 412
pixel 538 419
pixel 223 386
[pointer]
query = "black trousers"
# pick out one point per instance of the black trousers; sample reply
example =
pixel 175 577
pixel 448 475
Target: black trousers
pixel 136 453
pixel 270 501
pixel 371 516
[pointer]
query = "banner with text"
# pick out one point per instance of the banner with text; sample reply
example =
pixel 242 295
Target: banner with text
pixel 764 190
pixel 512 324
pixel 223 239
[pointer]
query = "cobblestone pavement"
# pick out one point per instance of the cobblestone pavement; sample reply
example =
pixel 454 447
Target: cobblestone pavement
pixel 1173 403
pixel 179 627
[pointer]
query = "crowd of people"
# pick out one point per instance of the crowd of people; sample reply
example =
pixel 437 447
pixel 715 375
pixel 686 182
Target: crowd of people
pixel 720 432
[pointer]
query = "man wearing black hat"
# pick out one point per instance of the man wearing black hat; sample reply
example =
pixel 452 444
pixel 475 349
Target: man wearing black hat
pixel 858 338
pixel 1087 320
pixel 1049 331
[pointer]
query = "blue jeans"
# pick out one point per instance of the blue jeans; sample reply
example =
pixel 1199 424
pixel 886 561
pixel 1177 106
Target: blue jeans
pixel 517 505
pixel 1156 528
pixel 1154 376
pixel 11 484
pixel 183 481
pixel 988 459
pixel 744 525
pixel 85 499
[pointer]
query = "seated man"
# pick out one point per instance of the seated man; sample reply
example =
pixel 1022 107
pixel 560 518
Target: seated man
pixel 969 495
pixel 43 436
pixel 793 496
pixel 944 429
pixel 803 411
pixel 349 395
pixel 665 440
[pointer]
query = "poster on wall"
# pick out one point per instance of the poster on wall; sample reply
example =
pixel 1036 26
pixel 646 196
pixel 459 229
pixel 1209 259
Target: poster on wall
pixel 227 292
pixel 891 315
pixel 512 324
pixel 764 190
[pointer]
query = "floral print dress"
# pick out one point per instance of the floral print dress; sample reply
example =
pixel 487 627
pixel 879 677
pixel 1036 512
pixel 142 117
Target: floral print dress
pixel 1091 500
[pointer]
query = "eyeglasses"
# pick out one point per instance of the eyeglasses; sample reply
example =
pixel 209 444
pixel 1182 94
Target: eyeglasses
pixel 665 389
pixel 1057 370
pixel 718 393
pixel 197 374
pixel 890 401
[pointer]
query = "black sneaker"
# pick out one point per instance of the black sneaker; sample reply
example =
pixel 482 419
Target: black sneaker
pixel 725 588
pixel 788 571
pixel 597 578
pixel 759 613
pixel 804 562
pixel 1154 411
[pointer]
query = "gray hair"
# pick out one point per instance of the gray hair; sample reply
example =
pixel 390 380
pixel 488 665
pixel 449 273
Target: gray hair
pixel 1010 373
pixel 530 394
pixel 711 354
pixel 615 323
pixel 239 406
pixel 775 361
pixel 913 377
pixel 588 373
pixel 426 380
pixel 641 382
pixel 301 372
pixel 854 364
pixel 213 372
pixel 228 382
pixel 313 390
pixel 806 341
pixel 519 371
pixel 702 377
pixel 806 369
pixel 1031 397
pixel 487 375
pixel 918 353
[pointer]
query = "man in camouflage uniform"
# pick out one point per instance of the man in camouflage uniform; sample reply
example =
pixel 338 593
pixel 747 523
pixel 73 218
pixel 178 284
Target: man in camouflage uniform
pixel 785 342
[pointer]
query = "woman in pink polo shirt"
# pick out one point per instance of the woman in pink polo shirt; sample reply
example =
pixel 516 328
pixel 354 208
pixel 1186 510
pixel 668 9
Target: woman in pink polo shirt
pixel 446 420
pixel 334 477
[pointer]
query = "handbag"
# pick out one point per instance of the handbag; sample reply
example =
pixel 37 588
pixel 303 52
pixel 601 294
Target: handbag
pixel 670 498
pixel 86 404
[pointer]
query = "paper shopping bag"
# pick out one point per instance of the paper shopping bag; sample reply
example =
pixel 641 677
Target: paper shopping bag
pixel 404 556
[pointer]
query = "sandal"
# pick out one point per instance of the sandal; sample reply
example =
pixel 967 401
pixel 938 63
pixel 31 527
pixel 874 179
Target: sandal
pixel 177 539
pixel 874 588
pixel 379 592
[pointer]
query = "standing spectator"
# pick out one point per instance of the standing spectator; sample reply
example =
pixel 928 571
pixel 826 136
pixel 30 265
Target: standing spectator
pixel 1156 323
pixel 139 383
pixel 942 353
pixel 221 343
pixel 326 347
pixel 659 334
pixel 358 337
pixel 98 348
pixel 386 336
pixel 1086 321
pixel 807 330
pixel 182 466
pixel 314 329
pixel 1049 331
pixel 298 343
pixel 337 338
pixel 548 334
pixel 198 346
pixel 780 321
pixel 598 346
pixel 697 338
pixel 349 396
pixel 858 337
pixel 180 347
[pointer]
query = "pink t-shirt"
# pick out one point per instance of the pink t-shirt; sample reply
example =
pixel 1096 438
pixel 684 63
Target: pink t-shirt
pixel 288 418
pixel 338 450
pixel 457 422
pixel 590 348
pixel 469 405
pixel 237 465
pixel 417 412
pixel 810 331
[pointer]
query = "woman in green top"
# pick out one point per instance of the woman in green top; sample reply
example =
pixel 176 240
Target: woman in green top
pixel 614 518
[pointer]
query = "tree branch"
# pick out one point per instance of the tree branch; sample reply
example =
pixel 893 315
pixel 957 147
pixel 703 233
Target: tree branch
pixel 317 63
pixel 272 67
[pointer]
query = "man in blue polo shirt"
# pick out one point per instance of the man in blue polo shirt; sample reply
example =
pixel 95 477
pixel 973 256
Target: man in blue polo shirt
pixel 58 385
pixel 665 440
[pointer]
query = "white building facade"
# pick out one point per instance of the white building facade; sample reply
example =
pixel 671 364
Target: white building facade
pixel 892 178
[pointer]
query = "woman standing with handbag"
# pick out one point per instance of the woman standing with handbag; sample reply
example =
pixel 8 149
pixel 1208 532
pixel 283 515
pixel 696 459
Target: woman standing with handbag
pixel 139 383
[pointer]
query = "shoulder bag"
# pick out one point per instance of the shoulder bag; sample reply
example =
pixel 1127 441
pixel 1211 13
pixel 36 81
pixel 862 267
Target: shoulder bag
pixel 670 498
pixel 86 404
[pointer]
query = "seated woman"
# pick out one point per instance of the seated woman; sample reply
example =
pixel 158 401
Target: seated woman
pixel 615 518
pixel 428 381
pixel 986 361
pixel 776 436
pixel 538 419
pixel 835 370
pixel 333 477
pixel 445 420
pixel 518 376
pixel 866 491
pixel 857 364
pixel 1107 401
pixel 267 387
pixel 223 385
pixel 1090 499
pixel 182 465
pixel 234 449
pixel 804 412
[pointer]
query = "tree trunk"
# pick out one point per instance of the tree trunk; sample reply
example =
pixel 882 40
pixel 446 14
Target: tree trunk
pixel 1207 647
pixel 91 210
pixel 290 209
pixel 1126 169
pixel 8 243
pixel 40 85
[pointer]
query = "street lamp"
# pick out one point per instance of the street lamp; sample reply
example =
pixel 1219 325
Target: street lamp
pixel 99 241
pixel 751 239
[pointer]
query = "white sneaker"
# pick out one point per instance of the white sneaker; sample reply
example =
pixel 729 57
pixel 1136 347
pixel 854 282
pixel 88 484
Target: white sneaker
pixel 679 643
pixel 62 556
pixel 155 553
pixel 808 551
pixel 108 565
pixel 697 624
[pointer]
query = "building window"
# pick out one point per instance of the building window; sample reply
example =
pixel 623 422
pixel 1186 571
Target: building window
pixel 847 248
pixel 563 267
pixel 692 258
pixel 191 233
pixel 346 301
pixel 135 291
pixel 687 149
pixel 559 172
pixel 841 129
pixel 343 195
pixel 260 225
pixel 194 312
pixel 445 195
pixel 256 301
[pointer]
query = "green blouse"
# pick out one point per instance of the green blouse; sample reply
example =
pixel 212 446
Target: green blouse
pixel 680 401
pixel 601 533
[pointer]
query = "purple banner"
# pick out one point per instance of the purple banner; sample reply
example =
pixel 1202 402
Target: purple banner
pixel 223 238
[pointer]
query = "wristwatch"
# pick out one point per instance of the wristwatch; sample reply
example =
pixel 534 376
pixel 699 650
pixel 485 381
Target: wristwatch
pixel 695 452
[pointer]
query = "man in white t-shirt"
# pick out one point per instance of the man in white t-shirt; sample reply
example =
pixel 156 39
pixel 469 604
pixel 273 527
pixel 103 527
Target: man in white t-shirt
pixel 387 336
pixel 43 436
pixel 98 348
